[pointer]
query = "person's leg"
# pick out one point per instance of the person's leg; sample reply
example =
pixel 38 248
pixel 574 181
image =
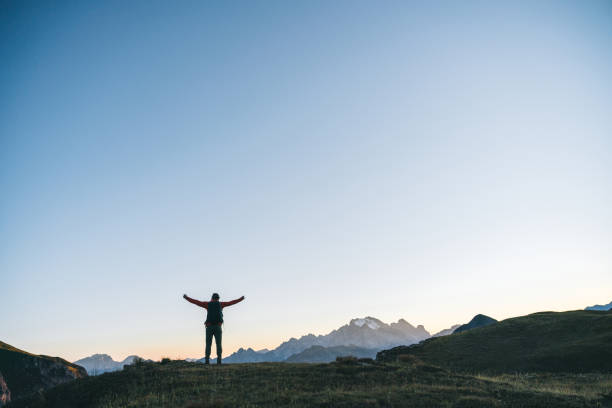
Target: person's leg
pixel 218 333
pixel 209 336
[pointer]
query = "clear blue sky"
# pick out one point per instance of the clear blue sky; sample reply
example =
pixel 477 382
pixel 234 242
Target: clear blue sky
pixel 328 160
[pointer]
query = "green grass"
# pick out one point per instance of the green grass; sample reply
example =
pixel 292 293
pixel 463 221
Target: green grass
pixel 577 341
pixel 350 383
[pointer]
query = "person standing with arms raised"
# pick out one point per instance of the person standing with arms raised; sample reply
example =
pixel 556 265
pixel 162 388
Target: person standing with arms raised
pixel 214 320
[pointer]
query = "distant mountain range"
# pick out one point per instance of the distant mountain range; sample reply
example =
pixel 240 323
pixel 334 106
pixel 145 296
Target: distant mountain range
pixel 320 354
pixel 446 332
pixel 23 373
pixel 103 363
pixel 361 338
pixel 600 307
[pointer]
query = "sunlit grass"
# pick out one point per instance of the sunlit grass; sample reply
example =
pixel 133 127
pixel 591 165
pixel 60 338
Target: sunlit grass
pixel 590 386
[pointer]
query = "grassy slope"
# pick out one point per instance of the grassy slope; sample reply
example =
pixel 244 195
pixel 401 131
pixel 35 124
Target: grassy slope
pixel 577 341
pixel 339 384
pixel 25 373
pixel 8 347
pixel 480 367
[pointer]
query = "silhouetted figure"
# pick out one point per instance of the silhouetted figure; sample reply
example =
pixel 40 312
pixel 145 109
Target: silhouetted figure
pixel 214 320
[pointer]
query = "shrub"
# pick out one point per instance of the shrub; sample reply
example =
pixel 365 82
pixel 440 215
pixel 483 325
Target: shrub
pixel 346 359
pixel 138 361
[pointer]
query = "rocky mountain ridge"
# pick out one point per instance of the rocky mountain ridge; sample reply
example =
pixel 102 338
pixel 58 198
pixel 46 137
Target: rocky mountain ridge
pixel 5 393
pixel 23 373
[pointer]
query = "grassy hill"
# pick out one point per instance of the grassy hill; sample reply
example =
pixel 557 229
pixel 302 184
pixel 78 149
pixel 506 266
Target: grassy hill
pixel 540 360
pixel 347 383
pixel 577 341
pixel 479 320
pixel 25 373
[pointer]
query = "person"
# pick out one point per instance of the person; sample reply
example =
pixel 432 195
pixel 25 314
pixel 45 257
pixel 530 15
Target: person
pixel 214 320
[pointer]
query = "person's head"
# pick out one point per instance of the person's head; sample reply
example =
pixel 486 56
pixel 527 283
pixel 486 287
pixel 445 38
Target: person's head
pixel 215 296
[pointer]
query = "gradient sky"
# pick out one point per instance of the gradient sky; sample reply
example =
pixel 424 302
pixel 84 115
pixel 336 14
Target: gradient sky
pixel 328 160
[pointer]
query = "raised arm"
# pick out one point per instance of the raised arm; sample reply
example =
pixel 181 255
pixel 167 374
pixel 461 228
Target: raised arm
pixel 196 302
pixel 232 302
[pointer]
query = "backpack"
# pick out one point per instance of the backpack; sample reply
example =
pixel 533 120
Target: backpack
pixel 214 315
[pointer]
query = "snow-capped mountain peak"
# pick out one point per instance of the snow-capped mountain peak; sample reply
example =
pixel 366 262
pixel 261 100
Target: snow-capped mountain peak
pixel 367 333
pixel 373 324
